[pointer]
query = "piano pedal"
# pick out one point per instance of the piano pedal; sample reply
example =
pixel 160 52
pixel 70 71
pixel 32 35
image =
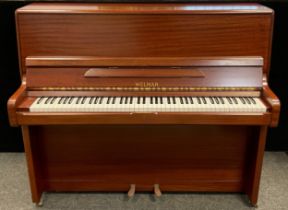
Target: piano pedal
pixel 131 191
pixel 157 191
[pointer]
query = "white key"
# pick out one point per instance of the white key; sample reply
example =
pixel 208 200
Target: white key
pixel 209 107
pixel 260 104
pixel 76 104
pixel 101 104
pixel 95 107
pixel 178 107
pixel 42 105
pixel 108 104
pixel 86 105
pixel 71 105
pixel 237 104
pixel 186 104
pixel 35 105
pixel 165 105
pixel 197 105
pixel 191 104
pixel 229 107
pixel 64 106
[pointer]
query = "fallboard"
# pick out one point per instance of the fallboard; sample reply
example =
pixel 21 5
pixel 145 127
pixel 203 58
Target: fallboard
pixel 144 74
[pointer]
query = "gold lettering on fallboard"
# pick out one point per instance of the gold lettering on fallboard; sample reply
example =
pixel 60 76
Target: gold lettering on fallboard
pixel 146 84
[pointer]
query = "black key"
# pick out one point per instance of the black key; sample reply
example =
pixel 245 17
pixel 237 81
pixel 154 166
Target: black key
pixel 70 100
pixel 39 101
pixel 235 100
pixel 61 100
pixel 151 100
pixel 186 100
pixel 91 100
pixel 253 101
pixel 161 100
pixel 156 100
pixel 66 100
pixel 174 100
pixel 144 100
pixel 121 100
pixel 131 100
pixel 53 99
pixel 204 100
pixel 125 100
pixel 108 101
pixel 216 99
pixel 100 100
pixel 198 100
pixel 114 99
pixel 168 100
pixel 78 100
pixel 181 100
pixel 138 100
pixel 247 100
pixel 211 100
pixel 83 100
pixel 47 100
pixel 221 100
pixel 96 100
pixel 229 100
pixel 242 100
pixel 191 100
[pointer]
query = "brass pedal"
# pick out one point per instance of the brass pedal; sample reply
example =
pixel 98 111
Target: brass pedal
pixel 131 191
pixel 157 191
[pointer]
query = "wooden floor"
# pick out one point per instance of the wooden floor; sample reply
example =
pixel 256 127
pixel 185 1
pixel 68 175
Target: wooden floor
pixel 15 193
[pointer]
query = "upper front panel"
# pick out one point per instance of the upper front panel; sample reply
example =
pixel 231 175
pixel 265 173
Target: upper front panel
pixel 162 30
pixel 145 74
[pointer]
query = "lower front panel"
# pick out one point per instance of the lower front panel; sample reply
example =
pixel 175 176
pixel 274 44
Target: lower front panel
pixel 110 158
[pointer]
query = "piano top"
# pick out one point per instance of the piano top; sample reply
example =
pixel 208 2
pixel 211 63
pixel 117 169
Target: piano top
pixel 154 31
pixel 123 8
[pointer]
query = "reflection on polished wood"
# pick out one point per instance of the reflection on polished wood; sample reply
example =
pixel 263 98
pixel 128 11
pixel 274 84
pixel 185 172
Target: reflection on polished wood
pixel 74 50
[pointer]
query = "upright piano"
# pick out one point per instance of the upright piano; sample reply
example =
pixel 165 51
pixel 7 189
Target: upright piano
pixel 144 97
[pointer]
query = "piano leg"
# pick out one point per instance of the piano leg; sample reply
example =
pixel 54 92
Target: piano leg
pixel 258 147
pixel 33 165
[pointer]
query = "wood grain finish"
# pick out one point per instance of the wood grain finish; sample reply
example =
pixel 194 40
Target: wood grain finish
pixel 14 102
pixel 29 118
pixel 33 163
pixel 236 77
pixel 273 101
pixel 255 165
pixel 170 156
pixel 215 152
pixel 125 34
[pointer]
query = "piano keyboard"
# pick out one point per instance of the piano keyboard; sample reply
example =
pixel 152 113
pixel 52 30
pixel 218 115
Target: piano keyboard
pixel 147 104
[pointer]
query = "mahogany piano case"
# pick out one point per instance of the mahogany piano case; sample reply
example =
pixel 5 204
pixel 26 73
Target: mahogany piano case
pixel 182 52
